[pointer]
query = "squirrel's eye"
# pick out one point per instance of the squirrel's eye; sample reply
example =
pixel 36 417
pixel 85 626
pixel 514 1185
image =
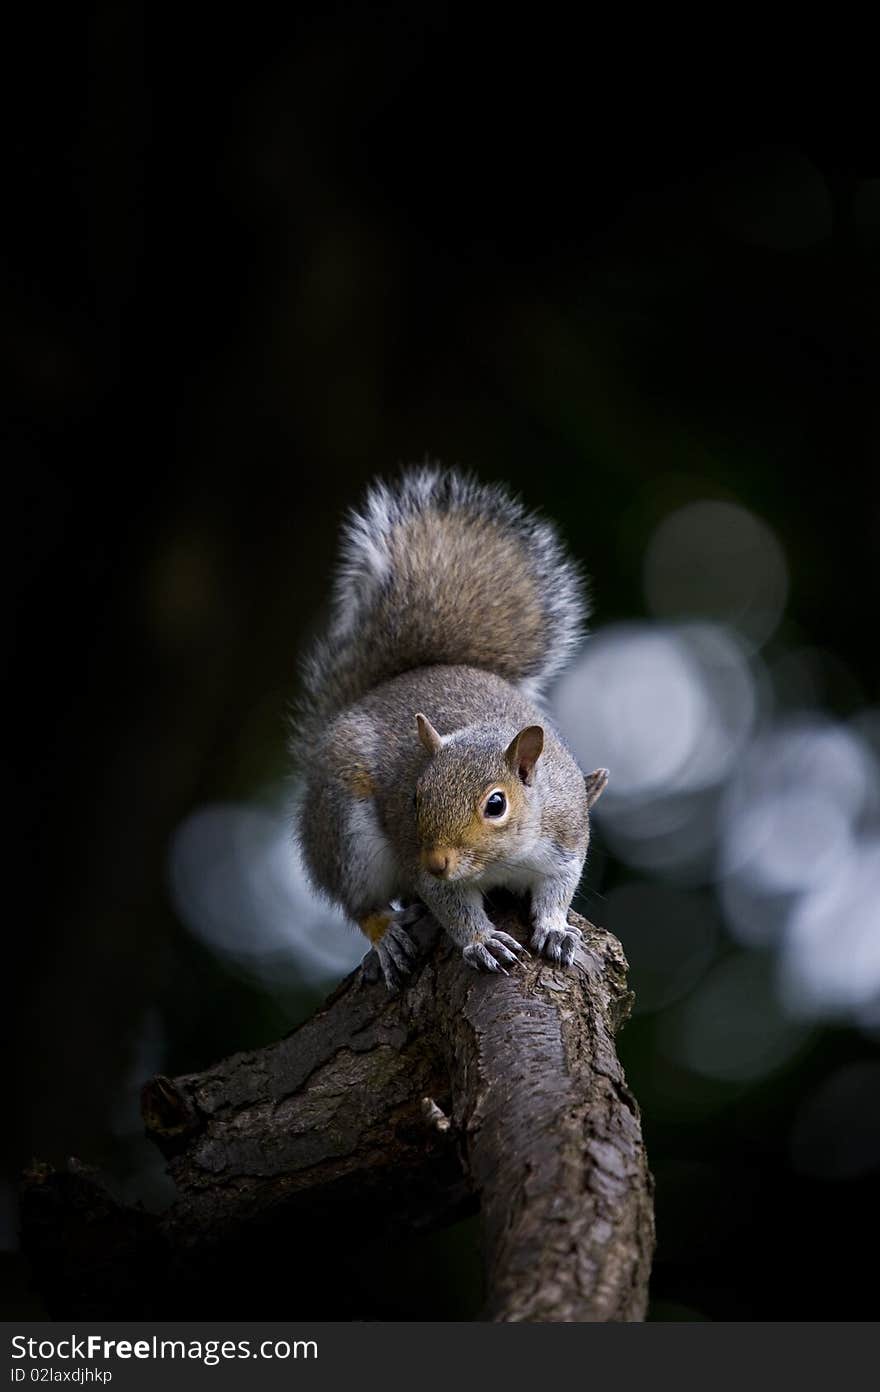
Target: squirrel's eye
pixel 496 805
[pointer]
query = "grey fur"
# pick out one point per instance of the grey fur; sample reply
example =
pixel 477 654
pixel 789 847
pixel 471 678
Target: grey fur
pixel 439 568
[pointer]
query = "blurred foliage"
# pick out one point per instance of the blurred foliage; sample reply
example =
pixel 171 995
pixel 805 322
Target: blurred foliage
pixel 243 279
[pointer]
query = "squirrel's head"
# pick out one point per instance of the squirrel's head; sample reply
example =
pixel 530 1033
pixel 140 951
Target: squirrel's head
pixel 472 801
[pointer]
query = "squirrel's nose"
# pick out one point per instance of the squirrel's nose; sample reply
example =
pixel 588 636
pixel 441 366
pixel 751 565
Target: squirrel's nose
pixel 439 861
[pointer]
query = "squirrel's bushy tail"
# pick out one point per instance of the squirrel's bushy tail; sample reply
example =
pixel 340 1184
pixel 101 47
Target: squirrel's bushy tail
pixel 438 568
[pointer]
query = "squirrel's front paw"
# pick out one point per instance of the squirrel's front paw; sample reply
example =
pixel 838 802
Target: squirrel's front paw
pixel 489 953
pixel 556 942
pixel 394 954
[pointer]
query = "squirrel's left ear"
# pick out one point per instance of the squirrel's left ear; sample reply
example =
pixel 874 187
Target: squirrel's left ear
pixel 524 751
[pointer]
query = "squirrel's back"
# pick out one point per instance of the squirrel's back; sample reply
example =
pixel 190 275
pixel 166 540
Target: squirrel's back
pixel 437 568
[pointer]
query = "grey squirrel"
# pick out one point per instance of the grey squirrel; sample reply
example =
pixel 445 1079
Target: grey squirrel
pixel 431 774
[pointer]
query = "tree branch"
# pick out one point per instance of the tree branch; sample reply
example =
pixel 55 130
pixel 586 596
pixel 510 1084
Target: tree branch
pixel 379 1114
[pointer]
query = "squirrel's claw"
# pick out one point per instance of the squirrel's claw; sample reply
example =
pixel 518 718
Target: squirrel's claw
pixel 507 948
pixel 490 952
pixel 395 953
pixel 478 956
pixel 559 944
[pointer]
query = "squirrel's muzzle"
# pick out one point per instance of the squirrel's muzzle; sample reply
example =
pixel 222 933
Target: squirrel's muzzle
pixel 441 861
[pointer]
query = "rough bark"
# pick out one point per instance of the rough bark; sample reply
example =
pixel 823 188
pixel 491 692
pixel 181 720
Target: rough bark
pixel 379 1114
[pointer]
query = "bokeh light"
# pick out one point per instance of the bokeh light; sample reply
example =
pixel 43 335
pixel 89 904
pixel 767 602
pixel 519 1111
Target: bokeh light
pixel 716 560
pixel 723 780
pixel 734 1027
pixel 793 801
pixel 669 710
pixel 237 882
pixel 830 961
pixel 799 856
pixel 666 707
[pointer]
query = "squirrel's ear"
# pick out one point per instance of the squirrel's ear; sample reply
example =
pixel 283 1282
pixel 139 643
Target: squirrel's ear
pixel 596 783
pixel 524 751
pixel 427 734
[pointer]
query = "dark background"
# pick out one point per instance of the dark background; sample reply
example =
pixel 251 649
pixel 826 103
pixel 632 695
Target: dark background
pixel 250 263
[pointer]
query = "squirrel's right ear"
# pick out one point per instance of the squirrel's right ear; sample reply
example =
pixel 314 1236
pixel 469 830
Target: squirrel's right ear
pixel 524 751
pixel 427 734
